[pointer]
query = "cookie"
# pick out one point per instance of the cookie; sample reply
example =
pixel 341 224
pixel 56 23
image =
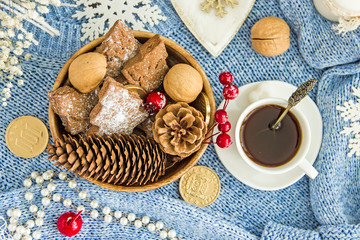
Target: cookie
pixel 149 66
pixel 118 111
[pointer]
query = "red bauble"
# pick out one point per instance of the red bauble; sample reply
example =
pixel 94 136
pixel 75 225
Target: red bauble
pixel 230 91
pixel 225 127
pixel 69 223
pixel 221 116
pixel 155 101
pixel 225 78
pixel 223 140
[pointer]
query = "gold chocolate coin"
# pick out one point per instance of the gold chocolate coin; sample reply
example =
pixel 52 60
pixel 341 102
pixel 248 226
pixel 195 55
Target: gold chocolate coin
pixel 137 89
pixel 26 136
pixel 202 103
pixel 200 186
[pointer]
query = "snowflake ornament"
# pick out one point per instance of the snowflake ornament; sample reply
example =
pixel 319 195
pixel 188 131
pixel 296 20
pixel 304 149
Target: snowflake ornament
pixel 101 15
pixel 219 5
pixel 351 111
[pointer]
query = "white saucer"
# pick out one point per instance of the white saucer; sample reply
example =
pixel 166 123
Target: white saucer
pixel 232 159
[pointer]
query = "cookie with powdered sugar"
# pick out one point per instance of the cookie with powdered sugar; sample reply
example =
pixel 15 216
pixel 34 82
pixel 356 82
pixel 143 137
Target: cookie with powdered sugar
pixel 118 111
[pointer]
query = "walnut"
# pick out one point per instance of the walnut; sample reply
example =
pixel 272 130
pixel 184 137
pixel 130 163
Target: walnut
pixel 270 36
pixel 87 71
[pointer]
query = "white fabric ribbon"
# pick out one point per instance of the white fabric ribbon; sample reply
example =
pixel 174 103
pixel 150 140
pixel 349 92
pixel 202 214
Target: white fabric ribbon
pixel 347 20
pixel 347 24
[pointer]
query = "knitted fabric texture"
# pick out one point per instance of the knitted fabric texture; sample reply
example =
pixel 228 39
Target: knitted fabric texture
pixel 325 208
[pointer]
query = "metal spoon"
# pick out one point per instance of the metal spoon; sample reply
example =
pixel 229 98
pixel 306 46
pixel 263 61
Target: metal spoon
pixel 294 99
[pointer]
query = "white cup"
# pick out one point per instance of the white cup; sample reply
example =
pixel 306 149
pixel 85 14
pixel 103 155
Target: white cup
pixel 298 160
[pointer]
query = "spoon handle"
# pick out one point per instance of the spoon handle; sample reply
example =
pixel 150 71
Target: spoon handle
pixel 301 92
pixel 276 125
pixel 294 99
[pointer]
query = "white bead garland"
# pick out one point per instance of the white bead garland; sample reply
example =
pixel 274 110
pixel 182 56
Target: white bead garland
pixel 108 218
pixel 27 237
pixel 145 219
pixel 51 172
pixel 171 233
pixel 39 222
pixel 62 175
pixel 10 212
pixel 34 175
pixel 39 180
pixel 163 234
pixel 117 214
pixel 94 204
pixel 45 192
pixel 51 187
pixel 40 214
pixel 94 214
pixel 80 208
pixel 12 227
pixel 72 184
pixel 13 220
pixel 27 182
pixel 106 210
pixel 17 236
pixel 46 176
pixel 159 225
pixel 18 231
pixel 151 227
pixel 30 223
pixel 131 217
pixel 33 208
pixel 56 197
pixel 67 202
pixel 36 234
pixel 82 194
pixel 138 224
pixel 45 201
pixel 123 221
pixel 16 213
pixel 29 196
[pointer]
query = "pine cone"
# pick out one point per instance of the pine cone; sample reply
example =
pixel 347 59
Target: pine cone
pixel 179 129
pixel 119 159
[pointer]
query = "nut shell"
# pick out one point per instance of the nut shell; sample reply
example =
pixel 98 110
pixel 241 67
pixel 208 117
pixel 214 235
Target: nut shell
pixel 183 83
pixel 87 71
pixel 270 36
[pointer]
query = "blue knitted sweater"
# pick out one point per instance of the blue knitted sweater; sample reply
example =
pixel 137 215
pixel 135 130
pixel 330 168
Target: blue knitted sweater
pixel 325 208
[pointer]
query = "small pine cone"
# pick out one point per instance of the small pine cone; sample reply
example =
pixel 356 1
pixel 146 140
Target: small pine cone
pixel 179 129
pixel 117 159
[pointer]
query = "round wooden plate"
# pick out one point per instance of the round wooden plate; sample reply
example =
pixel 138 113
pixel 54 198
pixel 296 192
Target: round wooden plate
pixel 177 54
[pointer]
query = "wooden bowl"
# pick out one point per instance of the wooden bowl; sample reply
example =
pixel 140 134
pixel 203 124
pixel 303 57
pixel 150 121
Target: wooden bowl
pixel 177 54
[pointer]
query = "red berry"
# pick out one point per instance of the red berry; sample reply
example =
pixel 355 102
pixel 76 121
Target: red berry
pixel 223 140
pixel 155 101
pixel 230 91
pixel 225 78
pixel 225 127
pixel 69 223
pixel 221 116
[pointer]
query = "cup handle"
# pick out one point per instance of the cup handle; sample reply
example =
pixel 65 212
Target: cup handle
pixel 308 169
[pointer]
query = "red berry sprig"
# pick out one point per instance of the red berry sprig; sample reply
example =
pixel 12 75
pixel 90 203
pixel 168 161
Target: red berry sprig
pixel 225 127
pixel 230 92
pixel 155 101
pixel 225 78
pixel 69 223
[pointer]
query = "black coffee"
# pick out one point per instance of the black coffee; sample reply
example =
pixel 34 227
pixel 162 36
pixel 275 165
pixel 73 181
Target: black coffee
pixel 267 147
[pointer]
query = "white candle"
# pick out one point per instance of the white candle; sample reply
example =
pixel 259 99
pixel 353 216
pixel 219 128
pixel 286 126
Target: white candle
pixel 334 9
pixel 346 12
